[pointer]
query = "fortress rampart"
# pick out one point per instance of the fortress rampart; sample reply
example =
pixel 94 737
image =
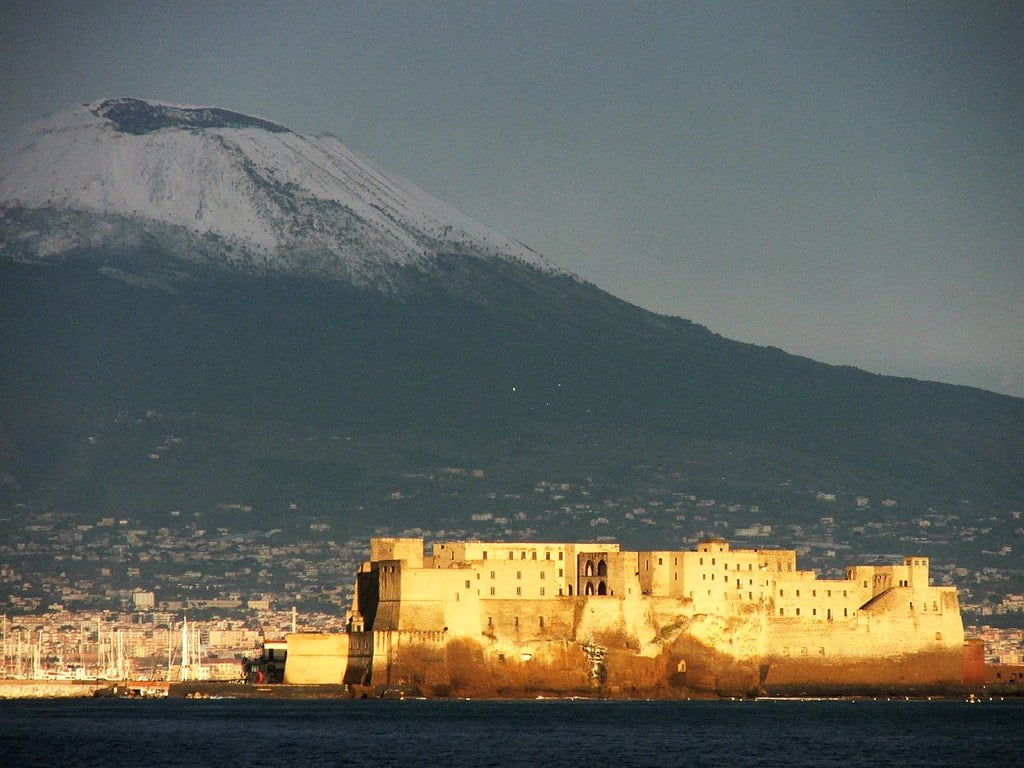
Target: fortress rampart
pixel 497 617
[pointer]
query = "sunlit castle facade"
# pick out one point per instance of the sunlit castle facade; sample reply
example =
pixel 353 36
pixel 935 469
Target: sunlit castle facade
pixel 564 616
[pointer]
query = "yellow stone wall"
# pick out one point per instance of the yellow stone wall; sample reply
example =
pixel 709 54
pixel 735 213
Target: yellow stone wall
pixel 316 658
pixel 750 606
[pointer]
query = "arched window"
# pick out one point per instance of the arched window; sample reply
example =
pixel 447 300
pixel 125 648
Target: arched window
pixel 589 589
pixel 602 568
pixel 589 568
pixel 602 588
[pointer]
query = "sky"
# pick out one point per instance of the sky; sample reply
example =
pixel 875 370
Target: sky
pixel 844 181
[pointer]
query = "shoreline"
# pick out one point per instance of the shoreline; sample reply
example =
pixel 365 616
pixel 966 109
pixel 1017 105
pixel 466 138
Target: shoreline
pixel 129 689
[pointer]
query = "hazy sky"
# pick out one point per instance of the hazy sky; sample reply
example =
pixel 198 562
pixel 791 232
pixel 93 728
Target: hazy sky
pixel 843 181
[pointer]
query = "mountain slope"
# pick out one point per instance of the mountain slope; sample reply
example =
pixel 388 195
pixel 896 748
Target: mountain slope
pixel 347 297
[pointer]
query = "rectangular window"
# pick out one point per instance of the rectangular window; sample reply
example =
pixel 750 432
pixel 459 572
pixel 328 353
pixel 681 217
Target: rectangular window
pixel 560 555
pixel 485 554
pixel 492 591
pixel 542 575
pixel 467 583
pixel 522 555
pixel 511 555
pixel 547 555
pixel 798 593
pixel 519 591
pixel 542 591
pixel 797 611
pixel 492 574
pixel 559 573
pixel 534 555
pixel 659 561
pixel 456 597
pixel 517 622
pixel 519 574
pixel 490 621
pixel 541 621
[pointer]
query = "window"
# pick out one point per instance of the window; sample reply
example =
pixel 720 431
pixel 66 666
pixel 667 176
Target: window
pixel 814 611
pixel 492 591
pixel 522 555
pixel 798 593
pixel 456 597
pixel 485 554
pixel 533 555
pixel 511 555
pixel 797 611
pixel 845 612
pixel 541 622
pixel 547 555
pixel 517 622
pixel 519 591
pixel 560 555
pixel 782 592
pixel 542 591
pixel 492 574
pixel 702 561
pixel 659 561
pixel 560 573
pixel 542 575
pixel 490 621
pixel 814 593
pixel 782 611
pixel 519 574
pixel 467 583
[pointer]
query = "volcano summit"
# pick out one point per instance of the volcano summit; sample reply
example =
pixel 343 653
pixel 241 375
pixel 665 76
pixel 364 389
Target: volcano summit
pixel 211 186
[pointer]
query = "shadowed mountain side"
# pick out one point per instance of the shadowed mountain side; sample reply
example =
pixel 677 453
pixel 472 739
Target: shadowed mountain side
pixel 495 358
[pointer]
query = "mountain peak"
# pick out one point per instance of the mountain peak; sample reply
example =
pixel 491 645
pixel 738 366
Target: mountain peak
pixel 124 179
pixel 140 117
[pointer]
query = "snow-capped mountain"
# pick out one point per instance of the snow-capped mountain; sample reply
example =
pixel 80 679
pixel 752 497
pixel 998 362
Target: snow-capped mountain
pixel 214 186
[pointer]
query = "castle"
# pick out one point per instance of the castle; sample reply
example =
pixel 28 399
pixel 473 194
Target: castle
pixel 479 618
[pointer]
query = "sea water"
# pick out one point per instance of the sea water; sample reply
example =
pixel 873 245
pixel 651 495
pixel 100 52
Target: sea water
pixel 541 734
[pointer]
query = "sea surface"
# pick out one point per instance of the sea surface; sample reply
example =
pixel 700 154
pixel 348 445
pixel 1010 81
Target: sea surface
pixel 541 734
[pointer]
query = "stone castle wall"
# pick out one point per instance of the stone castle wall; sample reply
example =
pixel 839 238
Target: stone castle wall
pixel 566 615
